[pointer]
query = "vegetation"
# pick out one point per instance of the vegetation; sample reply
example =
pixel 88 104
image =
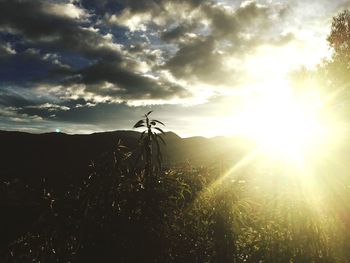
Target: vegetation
pixel 131 209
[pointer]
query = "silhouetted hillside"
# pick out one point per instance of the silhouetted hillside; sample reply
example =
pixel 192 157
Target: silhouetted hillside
pixel 60 156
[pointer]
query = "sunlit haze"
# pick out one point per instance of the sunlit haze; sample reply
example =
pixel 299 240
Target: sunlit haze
pixel 286 125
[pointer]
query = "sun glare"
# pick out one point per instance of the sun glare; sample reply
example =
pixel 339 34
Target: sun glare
pixel 285 126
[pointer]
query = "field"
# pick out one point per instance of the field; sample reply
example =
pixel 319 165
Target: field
pixel 130 208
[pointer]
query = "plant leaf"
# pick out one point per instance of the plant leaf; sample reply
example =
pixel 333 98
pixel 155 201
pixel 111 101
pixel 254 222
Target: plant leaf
pixel 139 124
pixel 159 122
pixel 159 129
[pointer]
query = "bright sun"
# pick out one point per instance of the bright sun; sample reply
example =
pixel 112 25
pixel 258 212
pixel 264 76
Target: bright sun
pixel 286 126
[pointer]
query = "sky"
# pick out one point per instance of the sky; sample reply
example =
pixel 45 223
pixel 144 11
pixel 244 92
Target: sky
pixel 95 65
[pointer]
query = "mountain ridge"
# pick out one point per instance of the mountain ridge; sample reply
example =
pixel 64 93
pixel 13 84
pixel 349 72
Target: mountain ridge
pixel 60 155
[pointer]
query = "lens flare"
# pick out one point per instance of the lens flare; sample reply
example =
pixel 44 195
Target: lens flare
pixel 289 127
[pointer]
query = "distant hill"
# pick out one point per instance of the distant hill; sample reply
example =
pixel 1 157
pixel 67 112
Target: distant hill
pixel 59 155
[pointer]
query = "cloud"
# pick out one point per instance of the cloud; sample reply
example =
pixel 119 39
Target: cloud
pixel 68 10
pixel 49 106
pixel 86 61
pixel 203 33
pixel 231 34
pixel 6 50
pixel 144 15
pixel 13 97
pixel 132 21
pixel 61 28
pixel 179 34
pixel 230 23
pixel 155 5
pixel 199 61
pixel 41 25
pixel 12 115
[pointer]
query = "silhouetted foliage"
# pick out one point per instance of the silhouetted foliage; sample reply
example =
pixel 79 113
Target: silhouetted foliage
pixel 150 152
pixel 339 38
